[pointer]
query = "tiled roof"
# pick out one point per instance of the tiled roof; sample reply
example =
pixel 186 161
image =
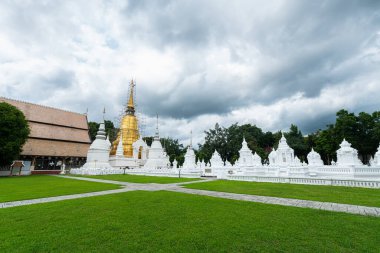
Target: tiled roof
pixel 53 132
pixel 49 115
pixel 37 147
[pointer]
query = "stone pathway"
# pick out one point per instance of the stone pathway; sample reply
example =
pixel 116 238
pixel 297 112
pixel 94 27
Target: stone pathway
pixel 177 187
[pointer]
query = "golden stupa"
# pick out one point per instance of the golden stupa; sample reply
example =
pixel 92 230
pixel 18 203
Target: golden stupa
pixel 128 127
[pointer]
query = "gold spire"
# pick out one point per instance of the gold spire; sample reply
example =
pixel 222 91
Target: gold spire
pixel 131 103
pixel 129 132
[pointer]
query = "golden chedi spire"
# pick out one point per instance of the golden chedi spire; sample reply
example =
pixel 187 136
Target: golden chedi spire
pixel 131 103
pixel 128 126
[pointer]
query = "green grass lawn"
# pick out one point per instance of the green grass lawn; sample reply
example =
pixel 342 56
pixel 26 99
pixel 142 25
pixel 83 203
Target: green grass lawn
pixel 144 179
pixel 40 186
pixel 346 195
pixel 176 222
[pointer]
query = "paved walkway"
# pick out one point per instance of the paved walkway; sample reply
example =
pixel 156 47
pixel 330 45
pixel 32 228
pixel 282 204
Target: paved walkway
pixel 177 187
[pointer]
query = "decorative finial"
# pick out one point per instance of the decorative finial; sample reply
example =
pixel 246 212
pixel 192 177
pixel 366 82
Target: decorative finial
pixel 131 103
pixel 157 133
pixel 104 112
pixel 191 138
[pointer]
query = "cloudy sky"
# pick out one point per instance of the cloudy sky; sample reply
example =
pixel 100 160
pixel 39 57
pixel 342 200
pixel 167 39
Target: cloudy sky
pixel 196 63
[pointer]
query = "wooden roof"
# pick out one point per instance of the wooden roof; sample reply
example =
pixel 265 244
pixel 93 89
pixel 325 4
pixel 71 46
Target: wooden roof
pixel 53 132
pixel 49 115
pixel 38 147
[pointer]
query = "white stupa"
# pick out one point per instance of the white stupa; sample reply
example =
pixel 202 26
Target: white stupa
pixel 157 158
pixel 314 158
pixel 246 158
pixel 283 156
pixel 376 159
pixel 189 164
pixel 297 161
pixel 347 155
pixel 272 157
pixel 98 153
pixel 216 161
pixel 175 164
pixel 257 160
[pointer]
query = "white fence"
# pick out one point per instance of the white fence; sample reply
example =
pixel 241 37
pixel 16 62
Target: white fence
pixel 310 181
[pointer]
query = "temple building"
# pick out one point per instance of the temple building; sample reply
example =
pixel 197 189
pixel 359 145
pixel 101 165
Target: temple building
pixel 56 137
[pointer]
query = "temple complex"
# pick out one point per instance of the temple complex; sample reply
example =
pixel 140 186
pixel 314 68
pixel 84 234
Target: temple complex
pixel 130 154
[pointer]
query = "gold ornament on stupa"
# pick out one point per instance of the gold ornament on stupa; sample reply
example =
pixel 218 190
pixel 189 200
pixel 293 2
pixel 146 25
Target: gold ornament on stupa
pixel 128 126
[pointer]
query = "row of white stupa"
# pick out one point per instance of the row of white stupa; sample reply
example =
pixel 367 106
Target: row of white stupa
pixel 152 159
pixel 282 162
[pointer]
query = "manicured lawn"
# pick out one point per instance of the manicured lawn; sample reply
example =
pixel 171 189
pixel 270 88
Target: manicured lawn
pixel 345 195
pixel 32 187
pixel 145 179
pixel 176 222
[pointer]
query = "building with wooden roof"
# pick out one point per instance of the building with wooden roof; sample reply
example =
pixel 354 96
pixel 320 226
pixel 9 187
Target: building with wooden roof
pixel 56 137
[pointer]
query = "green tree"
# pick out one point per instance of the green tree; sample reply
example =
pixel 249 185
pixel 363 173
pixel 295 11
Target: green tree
pixel 92 130
pixel 14 131
pixel 111 131
pixel 215 139
pixel 174 149
pixel 228 142
pixel 327 143
pixel 148 140
pixel 297 142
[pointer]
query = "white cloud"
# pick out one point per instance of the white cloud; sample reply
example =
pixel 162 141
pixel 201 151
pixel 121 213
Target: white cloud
pixel 270 63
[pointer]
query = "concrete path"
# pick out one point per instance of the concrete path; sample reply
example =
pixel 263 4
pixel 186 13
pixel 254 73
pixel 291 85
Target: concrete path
pixel 328 206
pixel 176 187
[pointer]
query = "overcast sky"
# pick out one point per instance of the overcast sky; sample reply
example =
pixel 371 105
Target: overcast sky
pixel 196 63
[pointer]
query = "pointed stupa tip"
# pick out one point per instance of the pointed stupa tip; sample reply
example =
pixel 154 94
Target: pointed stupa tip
pixel 191 139
pixel 130 101
pixel 157 134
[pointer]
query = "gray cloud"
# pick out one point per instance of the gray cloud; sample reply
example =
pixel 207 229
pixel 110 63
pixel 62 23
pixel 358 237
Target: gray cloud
pixel 196 62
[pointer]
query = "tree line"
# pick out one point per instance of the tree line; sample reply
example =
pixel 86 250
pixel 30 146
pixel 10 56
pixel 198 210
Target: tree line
pixel 362 131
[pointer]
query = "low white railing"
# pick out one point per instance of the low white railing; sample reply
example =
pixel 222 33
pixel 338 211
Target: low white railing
pixel 310 181
pixel 172 173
